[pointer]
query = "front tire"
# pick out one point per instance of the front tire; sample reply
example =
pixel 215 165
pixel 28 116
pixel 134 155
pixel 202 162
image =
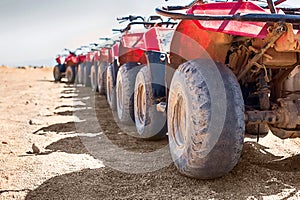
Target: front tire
pixel 70 74
pixel 205 119
pixel 111 89
pixel 57 74
pixel 87 74
pixel 94 77
pixel 102 77
pixel 150 123
pixel 125 92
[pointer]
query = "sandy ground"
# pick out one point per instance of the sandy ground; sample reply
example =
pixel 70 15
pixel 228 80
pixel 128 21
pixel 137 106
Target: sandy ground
pixel 86 155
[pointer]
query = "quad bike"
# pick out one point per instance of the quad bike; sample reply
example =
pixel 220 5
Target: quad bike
pixel 59 69
pixel 66 67
pixel 232 65
pixel 82 58
pixel 71 63
pixel 87 65
pixel 99 64
pixel 129 89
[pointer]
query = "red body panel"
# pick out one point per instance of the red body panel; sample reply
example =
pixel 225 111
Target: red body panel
pixel 113 53
pixel 250 29
pixel 134 45
pixel 59 60
pixel 72 60
pixel 90 56
pixel 82 58
pixel 96 55
pixel 104 55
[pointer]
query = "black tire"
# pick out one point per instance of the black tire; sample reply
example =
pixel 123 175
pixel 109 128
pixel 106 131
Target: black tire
pixel 70 74
pixel 57 74
pixel 102 78
pixel 87 74
pixel 80 73
pixel 111 89
pixel 125 92
pixel 94 77
pixel 206 121
pixel 150 123
pixel 257 129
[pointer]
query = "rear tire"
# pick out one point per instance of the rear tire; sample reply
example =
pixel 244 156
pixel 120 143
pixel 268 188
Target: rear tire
pixel 125 92
pixel 150 123
pixel 87 74
pixel 57 74
pixel 206 121
pixel 94 77
pixel 70 74
pixel 111 89
pixel 102 77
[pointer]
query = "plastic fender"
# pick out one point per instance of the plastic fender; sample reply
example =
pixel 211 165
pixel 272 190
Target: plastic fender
pixel 131 55
pixel 157 68
pixel 247 29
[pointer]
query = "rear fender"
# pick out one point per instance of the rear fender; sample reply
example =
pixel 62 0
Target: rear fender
pixel 190 42
pixel 131 55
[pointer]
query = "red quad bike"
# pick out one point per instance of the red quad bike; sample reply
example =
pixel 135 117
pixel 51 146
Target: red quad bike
pixel 59 69
pixel 137 84
pixel 229 68
pixel 72 62
pixel 87 66
pixel 82 58
pixel 100 63
pixel 67 65
pixel 84 68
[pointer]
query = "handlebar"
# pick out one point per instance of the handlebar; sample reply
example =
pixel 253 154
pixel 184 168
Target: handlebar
pixel 170 8
pixel 146 24
pixel 130 18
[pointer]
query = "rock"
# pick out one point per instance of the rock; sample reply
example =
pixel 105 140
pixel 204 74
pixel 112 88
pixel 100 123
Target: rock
pixel 30 122
pixel 4 143
pixel 35 149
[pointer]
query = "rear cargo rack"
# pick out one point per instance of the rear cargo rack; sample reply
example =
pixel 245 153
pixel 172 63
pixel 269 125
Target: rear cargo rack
pixel 257 17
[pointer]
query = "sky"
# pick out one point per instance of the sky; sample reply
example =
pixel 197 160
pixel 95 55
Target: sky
pixel 33 32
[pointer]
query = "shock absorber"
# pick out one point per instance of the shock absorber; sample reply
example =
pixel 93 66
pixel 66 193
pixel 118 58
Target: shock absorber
pixel 264 91
pixel 264 95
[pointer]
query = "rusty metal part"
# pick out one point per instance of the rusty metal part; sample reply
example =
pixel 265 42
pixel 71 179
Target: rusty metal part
pixel 277 83
pixel 238 58
pixel 259 117
pixel 288 41
pixel 288 114
pixel 292 84
pixel 284 134
pixel 275 59
pixel 277 32
pixel 284 119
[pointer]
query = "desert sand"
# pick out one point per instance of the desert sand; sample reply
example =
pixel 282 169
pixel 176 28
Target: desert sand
pixel 82 153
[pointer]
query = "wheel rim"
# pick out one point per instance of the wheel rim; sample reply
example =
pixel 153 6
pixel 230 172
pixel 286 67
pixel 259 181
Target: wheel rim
pixel 109 88
pixel 179 122
pixel 120 99
pixel 141 104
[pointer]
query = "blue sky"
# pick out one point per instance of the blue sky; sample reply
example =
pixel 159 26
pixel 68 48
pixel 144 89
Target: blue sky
pixel 34 31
